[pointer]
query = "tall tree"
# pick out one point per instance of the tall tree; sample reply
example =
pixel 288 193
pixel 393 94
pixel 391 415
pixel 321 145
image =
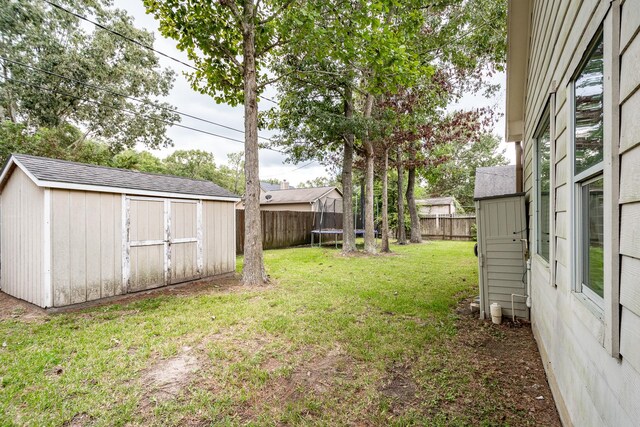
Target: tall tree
pixel 55 72
pixel 402 233
pixel 355 51
pixel 230 42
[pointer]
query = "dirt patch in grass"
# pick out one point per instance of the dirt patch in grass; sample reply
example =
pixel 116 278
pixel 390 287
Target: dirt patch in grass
pixel 319 374
pixel 166 379
pixel 13 308
pixel 79 420
pixel 399 385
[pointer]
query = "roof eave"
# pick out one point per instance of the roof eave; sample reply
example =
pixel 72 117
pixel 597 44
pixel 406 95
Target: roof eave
pixel 519 12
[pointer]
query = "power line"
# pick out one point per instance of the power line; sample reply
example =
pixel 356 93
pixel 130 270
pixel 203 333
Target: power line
pixel 131 40
pixel 142 101
pixel 170 123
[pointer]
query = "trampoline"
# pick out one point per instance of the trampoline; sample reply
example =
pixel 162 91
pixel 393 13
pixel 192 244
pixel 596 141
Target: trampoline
pixel 332 231
pixel 327 221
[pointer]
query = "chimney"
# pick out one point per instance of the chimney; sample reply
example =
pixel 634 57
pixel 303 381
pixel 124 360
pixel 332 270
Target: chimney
pixel 284 185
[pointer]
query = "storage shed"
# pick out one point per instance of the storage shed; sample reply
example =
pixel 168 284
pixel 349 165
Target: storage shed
pixel 72 233
pixel 502 245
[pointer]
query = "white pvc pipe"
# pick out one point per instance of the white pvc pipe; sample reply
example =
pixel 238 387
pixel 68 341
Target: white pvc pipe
pixel 513 312
pixel 529 283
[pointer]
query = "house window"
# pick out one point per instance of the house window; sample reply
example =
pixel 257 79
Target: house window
pixel 588 171
pixel 543 175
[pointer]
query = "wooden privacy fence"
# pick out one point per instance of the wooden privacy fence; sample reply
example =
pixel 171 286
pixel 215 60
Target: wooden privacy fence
pixel 282 229
pixel 448 227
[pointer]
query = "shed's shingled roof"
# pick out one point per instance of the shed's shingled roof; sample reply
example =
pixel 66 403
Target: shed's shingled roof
pixel 53 170
pixel 495 181
pixel 295 195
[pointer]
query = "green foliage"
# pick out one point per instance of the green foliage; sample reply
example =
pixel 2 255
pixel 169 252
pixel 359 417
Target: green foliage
pixel 456 176
pixel 212 35
pixel 88 59
pixel 192 163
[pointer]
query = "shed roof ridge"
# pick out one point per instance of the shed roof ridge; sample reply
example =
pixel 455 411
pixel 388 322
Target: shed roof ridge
pixel 110 168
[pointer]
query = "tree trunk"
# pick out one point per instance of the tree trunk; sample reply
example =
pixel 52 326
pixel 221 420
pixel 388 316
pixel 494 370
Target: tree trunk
pixel 402 235
pixel 385 203
pixel 348 226
pixel 253 272
pixel 369 225
pixel 416 235
pixel 9 106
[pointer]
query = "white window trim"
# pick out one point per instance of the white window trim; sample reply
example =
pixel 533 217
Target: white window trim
pixel 608 315
pixel 580 286
pixel 576 183
pixel 547 113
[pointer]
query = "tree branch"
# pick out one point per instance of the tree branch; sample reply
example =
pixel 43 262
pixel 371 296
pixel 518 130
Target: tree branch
pixel 276 13
pixel 233 7
pixel 231 57
pixel 267 48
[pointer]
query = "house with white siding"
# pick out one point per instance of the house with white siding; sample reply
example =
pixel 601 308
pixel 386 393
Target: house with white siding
pixel 72 233
pixel 573 111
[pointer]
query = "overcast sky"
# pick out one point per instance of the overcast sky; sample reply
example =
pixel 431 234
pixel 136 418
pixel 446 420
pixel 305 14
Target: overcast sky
pixel 271 163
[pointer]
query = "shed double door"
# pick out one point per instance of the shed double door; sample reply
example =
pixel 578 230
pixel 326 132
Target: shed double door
pixel 164 245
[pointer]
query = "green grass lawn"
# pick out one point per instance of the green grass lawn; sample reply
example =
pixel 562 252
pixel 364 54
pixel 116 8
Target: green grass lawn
pixel 334 340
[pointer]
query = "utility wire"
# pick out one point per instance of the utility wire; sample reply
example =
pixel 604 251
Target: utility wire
pixel 92 86
pixel 168 122
pixel 136 42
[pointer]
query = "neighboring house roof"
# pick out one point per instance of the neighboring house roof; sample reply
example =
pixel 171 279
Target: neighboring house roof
pixel 495 181
pixel 55 173
pixel 296 195
pixel 436 201
pixel 267 186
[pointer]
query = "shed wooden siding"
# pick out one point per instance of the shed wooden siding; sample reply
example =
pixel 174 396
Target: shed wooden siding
pixel 592 387
pixel 219 249
pixel 21 239
pixel 86 246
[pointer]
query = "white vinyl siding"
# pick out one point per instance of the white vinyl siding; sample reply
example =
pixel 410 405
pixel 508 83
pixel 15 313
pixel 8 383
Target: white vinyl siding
pixel 630 183
pixel 591 387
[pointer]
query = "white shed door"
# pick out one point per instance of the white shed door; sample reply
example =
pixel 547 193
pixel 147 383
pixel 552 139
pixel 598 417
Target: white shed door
pixel 184 241
pixel 164 244
pixel 146 244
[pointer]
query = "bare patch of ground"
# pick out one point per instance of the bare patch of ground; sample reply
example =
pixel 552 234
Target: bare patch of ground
pixel 14 308
pixel 79 420
pixel 167 378
pixel 319 375
pixel 399 385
